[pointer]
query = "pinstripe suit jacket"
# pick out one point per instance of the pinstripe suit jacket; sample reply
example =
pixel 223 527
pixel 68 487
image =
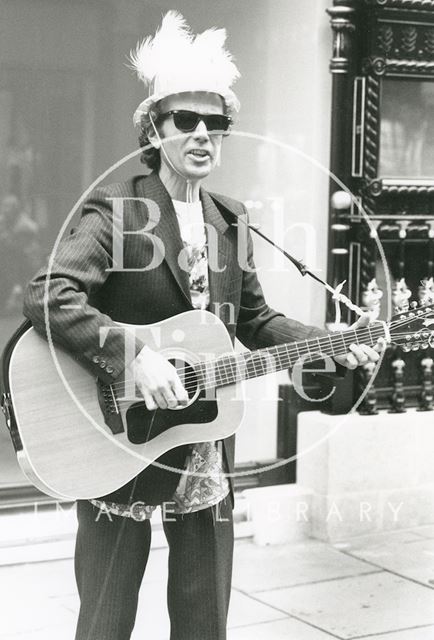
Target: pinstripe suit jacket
pixel 83 278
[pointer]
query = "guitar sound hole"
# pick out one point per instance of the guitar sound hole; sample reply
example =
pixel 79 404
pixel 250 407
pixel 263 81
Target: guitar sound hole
pixel 187 375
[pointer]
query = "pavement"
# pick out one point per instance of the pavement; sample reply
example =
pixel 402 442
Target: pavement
pixel 379 587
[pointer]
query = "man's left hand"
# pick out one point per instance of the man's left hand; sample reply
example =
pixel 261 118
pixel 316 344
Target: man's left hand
pixel 360 354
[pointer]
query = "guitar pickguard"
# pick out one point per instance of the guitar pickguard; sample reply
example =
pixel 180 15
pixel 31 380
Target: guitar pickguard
pixel 144 425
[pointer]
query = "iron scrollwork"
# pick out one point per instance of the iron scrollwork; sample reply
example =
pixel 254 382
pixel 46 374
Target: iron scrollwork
pixel 424 5
pixel 383 65
pixel 342 23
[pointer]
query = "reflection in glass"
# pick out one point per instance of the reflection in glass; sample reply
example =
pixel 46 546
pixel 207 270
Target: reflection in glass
pixel 407 131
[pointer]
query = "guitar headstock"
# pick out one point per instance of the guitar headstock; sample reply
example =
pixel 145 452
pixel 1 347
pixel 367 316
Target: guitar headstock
pixel 413 329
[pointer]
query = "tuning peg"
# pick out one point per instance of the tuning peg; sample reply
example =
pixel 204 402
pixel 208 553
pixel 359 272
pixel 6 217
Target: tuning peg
pixel 424 345
pixel 413 304
pixel 403 312
pixel 415 347
pixel 406 348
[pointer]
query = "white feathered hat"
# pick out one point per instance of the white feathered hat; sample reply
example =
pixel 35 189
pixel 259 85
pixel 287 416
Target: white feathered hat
pixel 176 61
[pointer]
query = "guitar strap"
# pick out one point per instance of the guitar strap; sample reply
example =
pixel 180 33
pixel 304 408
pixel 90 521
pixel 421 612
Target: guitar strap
pixel 5 399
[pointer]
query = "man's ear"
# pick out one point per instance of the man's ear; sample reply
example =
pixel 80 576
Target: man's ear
pixel 153 138
pixel 152 131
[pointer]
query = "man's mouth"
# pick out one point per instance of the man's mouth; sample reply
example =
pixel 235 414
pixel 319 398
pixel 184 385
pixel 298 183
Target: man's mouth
pixel 199 153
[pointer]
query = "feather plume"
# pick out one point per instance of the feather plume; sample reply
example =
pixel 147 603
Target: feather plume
pixel 212 58
pixel 154 55
pixel 175 61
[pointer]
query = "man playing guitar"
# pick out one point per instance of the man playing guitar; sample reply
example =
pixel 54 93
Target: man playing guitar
pixel 90 289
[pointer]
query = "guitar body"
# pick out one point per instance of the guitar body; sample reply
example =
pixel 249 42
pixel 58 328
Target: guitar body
pixel 74 446
pixel 76 437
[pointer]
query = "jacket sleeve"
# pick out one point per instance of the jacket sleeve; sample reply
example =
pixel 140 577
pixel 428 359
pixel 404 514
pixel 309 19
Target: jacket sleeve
pixel 56 301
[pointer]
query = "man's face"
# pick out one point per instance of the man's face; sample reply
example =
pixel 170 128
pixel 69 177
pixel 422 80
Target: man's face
pixel 193 154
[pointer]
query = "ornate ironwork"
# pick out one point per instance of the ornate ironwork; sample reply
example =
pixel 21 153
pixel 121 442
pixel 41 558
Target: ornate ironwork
pixel 372 131
pixel 427 398
pixel 428 41
pixel 403 4
pixel 410 67
pixel 342 16
pixel 398 394
pixel 396 41
pixel 342 23
pixel 381 66
pixel 367 263
pixel 385 37
pixel 379 188
pixel 408 39
pixel 363 378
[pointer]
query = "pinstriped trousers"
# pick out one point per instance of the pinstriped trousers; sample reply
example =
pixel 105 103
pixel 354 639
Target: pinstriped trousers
pixel 110 561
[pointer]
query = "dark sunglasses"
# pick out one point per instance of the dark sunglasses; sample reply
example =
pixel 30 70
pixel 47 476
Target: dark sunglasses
pixel 187 121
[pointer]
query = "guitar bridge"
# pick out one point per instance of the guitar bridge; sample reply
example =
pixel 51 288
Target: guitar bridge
pixel 109 407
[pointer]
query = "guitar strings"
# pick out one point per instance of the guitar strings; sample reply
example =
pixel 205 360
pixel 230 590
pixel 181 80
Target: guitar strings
pixel 239 374
pixel 235 378
pixel 198 386
pixel 248 361
pixel 299 351
pixel 292 352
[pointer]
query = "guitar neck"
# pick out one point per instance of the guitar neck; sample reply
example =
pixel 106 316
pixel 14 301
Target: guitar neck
pixel 253 364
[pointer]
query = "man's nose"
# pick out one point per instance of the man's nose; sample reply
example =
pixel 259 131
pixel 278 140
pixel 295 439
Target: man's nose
pixel 201 132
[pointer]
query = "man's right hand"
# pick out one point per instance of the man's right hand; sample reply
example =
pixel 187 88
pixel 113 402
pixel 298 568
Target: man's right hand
pixel 158 381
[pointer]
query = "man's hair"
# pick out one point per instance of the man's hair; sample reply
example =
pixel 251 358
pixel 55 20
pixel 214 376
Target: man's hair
pixel 150 155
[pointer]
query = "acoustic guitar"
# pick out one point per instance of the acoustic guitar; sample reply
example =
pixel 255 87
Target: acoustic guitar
pixel 77 437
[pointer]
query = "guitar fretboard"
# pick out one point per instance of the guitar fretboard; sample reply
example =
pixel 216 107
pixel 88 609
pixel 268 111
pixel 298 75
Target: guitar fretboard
pixel 253 364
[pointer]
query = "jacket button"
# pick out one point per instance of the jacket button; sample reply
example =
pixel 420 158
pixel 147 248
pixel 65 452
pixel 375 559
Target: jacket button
pixel 109 369
pixel 96 359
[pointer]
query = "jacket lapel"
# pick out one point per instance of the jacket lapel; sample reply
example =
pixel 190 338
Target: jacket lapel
pixel 221 273
pixel 167 229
